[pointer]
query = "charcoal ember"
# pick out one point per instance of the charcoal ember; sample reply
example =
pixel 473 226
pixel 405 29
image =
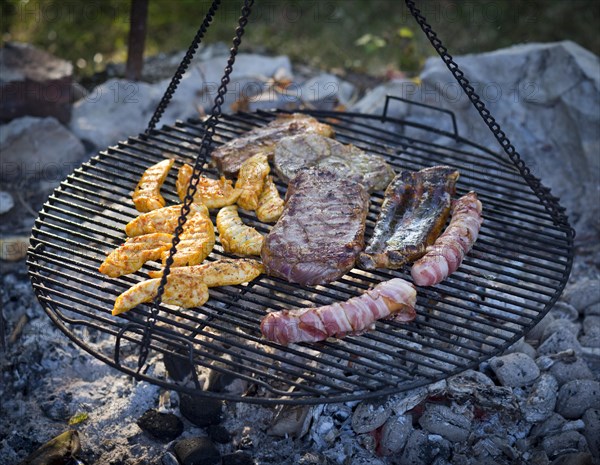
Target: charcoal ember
pixel 562 339
pixel 219 381
pixel 370 415
pixel 568 369
pixel 422 449
pixel 324 432
pixel 549 427
pixel 238 458
pixel 496 397
pixel 197 451
pixel 591 331
pixel 541 401
pixel 538 330
pixel 395 433
pixel 576 396
pixel 564 311
pixel 582 293
pixel 290 420
pixel 401 403
pixel 58 407
pixel 219 434
pixel 577 458
pixel 442 420
pixel 177 365
pixel 593 309
pixel 522 347
pixel 34 83
pixel 591 431
pixel 201 411
pixel 539 457
pixel 487 450
pixel 557 324
pixel 313 458
pixel 515 370
pixel 162 426
pixel 467 383
pixel 564 443
pixel 169 459
pixel 61 450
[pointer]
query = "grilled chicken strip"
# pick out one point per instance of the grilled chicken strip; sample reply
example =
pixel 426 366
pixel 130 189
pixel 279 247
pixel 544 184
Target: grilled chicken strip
pixel 395 299
pixel 415 208
pixel 321 231
pixel 210 192
pixel 445 256
pixel 196 241
pixel 251 179
pixel 136 251
pixel 161 220
pixel 182 291
pixel 146 196
pixel 270 203
pixel 230 156
pixel 295 153
pixel 223 272
pixel 236 237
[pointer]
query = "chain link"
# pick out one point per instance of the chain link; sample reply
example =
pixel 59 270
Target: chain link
pixel 183 66
pixel 203 155
pixel 550 202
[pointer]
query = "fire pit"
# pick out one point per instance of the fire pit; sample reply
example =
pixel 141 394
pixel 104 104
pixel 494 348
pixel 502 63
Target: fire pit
pixel 513 276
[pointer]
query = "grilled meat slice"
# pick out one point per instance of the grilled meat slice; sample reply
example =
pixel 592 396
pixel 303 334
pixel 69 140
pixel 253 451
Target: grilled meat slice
pixel 210 192
pixel 237 237
pixel 294 153
pixel 270 204
pixel 146 196
pixel 163 220
pixel 230 156
pixel 414 211
pixel 321 230
pixel 251 180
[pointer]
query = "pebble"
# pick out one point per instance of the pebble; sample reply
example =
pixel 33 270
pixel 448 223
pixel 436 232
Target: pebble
pixel 591 431
pixel 219 434
pixel 541 401
pixel 370 415
pixel 395 433
pixel 162 426
pixel 559 341
pixel 558 324
pixel 238 458
pixel 564 311
pixel 577 458
pixel 439 419
pixel 515 370
pixel 6 202
pixel 583 293
pixel 563 443
pixel 197 451
pixel 201 411
pixel 576 396
pixel 565 371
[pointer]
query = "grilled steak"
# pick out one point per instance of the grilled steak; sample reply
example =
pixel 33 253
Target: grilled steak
pixel 321 230
pixel 230 156
pixel 414 211
pixel 304 150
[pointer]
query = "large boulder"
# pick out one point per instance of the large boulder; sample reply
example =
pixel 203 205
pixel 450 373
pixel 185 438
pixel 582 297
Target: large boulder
pixel 35 83
pixel 546 99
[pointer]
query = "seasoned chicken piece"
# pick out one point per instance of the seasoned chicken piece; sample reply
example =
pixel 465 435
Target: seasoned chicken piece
pixel 197 241
pixel 146 196
pixel 180 290
pixel 161 220
pixel 210 192
pixel 270 204
pixel 230 156
pixel 236 237
pixel 136 251
pixel 223 272
pixel 251 180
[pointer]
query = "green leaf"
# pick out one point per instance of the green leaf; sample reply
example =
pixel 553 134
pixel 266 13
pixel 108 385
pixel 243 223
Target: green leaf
pixel 405 33
pixel 78 418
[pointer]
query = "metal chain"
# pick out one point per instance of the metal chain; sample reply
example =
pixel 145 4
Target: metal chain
pixel 549 201
pixel 203 154
pixel 183 66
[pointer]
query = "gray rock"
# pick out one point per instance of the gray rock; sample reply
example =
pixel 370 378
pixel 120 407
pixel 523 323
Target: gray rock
pixel 6 202
pixel 370 415
pixel 564 443
pixel 562 339
pixel 568 370
pixel 591 419
pixel 576 458
pixel 564 311
pixel 326 91
pixel 515 370
pixel 583 293
pixel 576 396
pixel 374 100
pixel 34 83
pixel 395 433
pixel 541 401
pixel 559 324
pixel 442 420
pixel 39 150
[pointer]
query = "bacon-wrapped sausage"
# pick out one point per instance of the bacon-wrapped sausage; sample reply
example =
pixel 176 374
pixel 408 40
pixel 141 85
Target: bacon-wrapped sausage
pixel 447 253
pixel 390 299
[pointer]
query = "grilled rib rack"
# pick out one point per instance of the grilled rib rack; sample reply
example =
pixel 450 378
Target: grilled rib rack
pixel 512 277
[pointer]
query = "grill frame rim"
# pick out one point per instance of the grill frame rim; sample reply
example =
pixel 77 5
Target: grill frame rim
pixel 54 312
